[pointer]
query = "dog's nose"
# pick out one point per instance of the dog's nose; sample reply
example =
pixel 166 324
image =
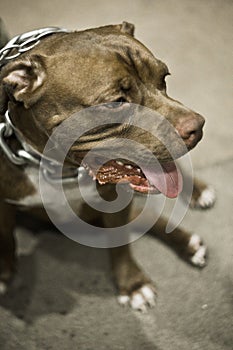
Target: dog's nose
pixel 190 129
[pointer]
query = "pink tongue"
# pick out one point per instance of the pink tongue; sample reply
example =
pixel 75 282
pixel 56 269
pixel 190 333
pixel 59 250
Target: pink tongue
pixel 167 179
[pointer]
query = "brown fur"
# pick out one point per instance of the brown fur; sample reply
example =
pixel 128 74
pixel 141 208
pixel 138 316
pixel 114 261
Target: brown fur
pixel 64 74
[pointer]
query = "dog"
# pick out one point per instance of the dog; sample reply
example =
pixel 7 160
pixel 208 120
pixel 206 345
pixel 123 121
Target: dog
pixel 65 73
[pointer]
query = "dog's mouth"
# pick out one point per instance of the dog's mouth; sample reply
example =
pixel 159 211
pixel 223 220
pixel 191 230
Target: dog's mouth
pixel 165 178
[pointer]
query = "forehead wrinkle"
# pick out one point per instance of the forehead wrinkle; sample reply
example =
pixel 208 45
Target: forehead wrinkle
pixel 133 56
pixel 112 89
pixel 141 61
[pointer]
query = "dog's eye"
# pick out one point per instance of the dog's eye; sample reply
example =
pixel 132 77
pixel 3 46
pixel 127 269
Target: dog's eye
pixel 162 85
pixel 165 75
pixel 116 104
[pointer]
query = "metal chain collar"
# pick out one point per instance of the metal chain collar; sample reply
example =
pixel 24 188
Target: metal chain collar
pixel 20 44
pixel 25 42
pixel 50 167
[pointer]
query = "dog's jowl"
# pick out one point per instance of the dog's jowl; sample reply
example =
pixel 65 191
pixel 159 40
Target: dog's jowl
pixel 63 73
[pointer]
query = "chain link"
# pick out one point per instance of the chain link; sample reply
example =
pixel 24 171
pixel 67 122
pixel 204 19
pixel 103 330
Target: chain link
pixel 15 159
pixel 50 168
pixel 25 42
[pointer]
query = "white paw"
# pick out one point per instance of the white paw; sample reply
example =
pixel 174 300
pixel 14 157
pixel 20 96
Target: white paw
pixel 199 256
pixel 123 299
pixel 3 288
pixel 140 299
pixel 206 199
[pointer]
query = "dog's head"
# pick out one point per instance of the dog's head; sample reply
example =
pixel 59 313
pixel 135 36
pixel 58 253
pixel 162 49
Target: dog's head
pixel 107 68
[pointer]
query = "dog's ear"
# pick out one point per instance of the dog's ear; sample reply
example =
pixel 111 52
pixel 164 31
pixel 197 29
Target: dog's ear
pixel 22 81
pixel 127 28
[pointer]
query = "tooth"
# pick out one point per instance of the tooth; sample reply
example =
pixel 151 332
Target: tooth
pixel 128 167
pixel 119 162
pixel 138 170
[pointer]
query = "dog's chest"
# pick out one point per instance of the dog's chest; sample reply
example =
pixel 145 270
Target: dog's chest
pixel 61 200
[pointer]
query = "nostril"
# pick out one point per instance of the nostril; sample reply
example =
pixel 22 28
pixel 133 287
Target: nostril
pixel 190 129
pixel 193 132
pixel 187 128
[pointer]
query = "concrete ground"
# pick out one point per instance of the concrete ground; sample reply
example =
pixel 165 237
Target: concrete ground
pixel 63 297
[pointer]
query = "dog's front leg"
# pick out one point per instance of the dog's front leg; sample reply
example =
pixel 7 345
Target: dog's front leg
pixel 203 196
pixel 7 245
pixel 188 246
pixel 134 287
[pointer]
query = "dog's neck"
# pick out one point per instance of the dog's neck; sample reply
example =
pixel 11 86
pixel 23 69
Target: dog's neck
pixel 27 155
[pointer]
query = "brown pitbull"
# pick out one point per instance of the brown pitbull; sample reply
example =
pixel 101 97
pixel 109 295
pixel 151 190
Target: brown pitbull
pixel 106 67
